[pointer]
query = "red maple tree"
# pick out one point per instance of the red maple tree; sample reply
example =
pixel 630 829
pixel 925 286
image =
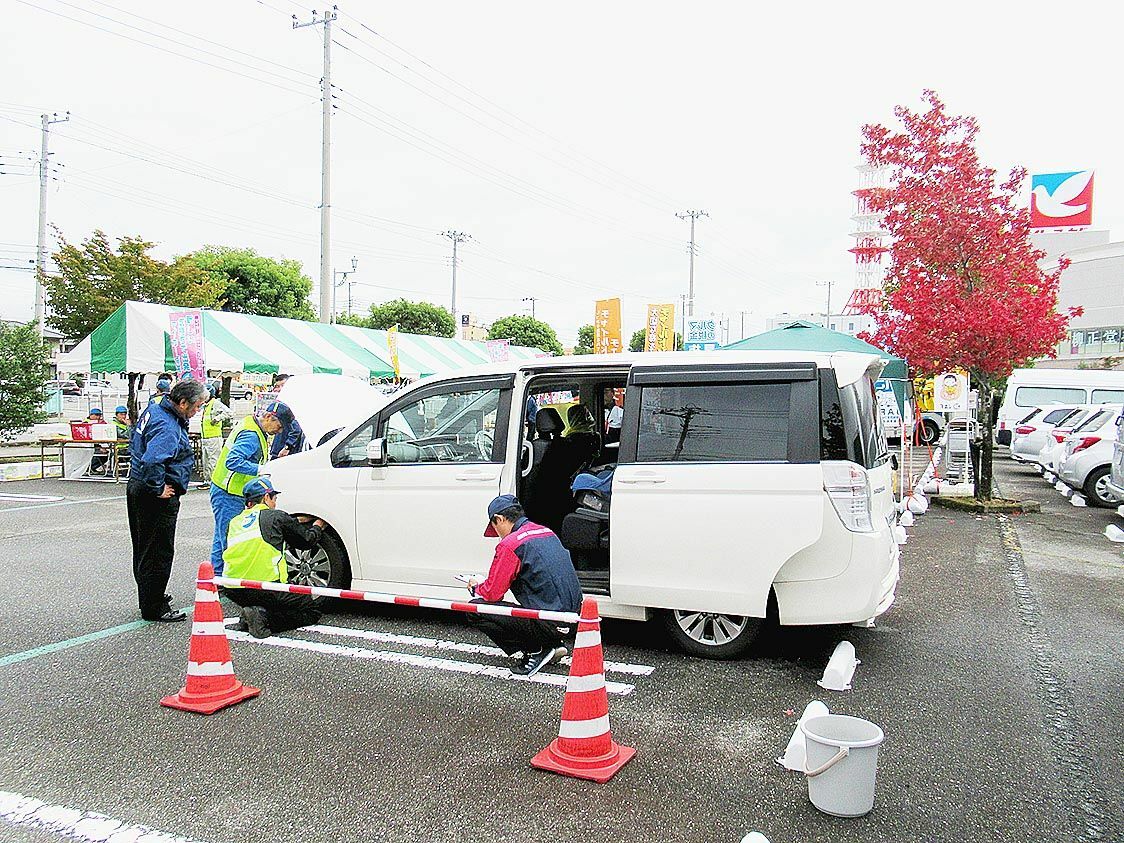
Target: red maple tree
pixel 964 286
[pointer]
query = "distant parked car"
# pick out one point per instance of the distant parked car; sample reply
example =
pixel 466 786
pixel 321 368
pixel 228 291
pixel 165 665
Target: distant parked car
pixel 237 390
pixel 1033 430
pixel 1052 452
pixel 1087 461
pixel 98 387
pixel 67 387
pixel 1116 473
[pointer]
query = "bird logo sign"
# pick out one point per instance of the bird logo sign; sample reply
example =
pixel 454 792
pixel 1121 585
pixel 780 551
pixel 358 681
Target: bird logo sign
pixel 1061 200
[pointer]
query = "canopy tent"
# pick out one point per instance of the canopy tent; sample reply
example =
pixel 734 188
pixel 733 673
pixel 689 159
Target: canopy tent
pixel 135 338
pixel 807 336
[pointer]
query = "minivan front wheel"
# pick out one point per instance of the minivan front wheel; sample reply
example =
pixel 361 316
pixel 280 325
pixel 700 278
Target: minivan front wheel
pixel 711 635
pixel 324 566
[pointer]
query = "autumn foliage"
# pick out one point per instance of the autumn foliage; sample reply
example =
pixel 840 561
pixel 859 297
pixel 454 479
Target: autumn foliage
pixel 964 287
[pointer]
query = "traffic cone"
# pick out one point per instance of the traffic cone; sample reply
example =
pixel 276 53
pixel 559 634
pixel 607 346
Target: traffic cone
pixel 585 747
pixel 211 683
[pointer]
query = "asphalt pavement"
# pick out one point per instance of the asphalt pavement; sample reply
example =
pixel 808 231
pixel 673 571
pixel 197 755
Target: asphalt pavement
pixel 996 678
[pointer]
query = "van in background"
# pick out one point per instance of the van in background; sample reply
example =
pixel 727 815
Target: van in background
pixel 1030 388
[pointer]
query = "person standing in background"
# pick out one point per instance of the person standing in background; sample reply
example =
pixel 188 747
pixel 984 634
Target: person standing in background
pixel 161 461
pixel 215 413
pixel 163 387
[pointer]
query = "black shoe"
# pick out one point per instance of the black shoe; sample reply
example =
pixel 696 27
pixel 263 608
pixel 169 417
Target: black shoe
pixel 169 616
pixel 257 621
pixel 241 626
pixel 534 662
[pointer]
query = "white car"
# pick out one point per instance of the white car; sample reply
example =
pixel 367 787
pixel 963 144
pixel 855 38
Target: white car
pixel 1087 462
pixel 1033 430
pixel 1050 456
pixel 741 479
pixel 1116 473
pixel 98 387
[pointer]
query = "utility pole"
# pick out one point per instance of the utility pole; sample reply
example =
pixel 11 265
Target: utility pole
pixel 692 216
pixel 532 300
pixel 335 284
pixel 827 317
pixel 457 237
pixel 326 289
pixel 41 242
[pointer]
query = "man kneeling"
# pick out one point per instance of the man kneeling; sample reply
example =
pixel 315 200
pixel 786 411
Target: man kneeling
pixel 255 550
pixel 531 562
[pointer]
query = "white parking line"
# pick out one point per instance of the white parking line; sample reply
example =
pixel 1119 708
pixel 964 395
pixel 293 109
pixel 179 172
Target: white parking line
pixel 460 647
pixel 473 668
pixel 74 824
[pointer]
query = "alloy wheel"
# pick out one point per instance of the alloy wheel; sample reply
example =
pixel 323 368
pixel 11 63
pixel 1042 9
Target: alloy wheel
pixel 309 567
pixel 710 628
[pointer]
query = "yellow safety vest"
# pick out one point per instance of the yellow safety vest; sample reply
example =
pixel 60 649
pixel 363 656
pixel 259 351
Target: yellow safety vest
pixel 248 556
pixel 232 481
pixel 210 428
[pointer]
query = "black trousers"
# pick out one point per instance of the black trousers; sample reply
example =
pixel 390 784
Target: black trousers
pixel 515 635
pixel 283 611
pixel 152 526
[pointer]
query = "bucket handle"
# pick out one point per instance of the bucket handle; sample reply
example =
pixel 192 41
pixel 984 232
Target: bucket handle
pixel 831 762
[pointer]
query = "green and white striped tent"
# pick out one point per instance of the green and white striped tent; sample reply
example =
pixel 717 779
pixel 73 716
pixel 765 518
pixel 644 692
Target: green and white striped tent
pixel 135 338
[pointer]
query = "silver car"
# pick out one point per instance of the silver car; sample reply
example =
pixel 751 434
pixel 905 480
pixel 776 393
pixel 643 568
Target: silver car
pixel 1033 431
pixel 1088 456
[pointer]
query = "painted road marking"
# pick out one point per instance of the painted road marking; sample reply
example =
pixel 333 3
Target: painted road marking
pixel 61 503
pixel 75 824
pixel 29 498
pixel 431 662
pixel 460 647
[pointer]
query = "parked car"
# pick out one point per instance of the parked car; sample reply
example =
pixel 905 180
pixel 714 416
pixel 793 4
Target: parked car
pixel 66 387
pixel 1030 388
pixel 1052 452
pixel 1087 461
pixel 1116 473
pixel 93 386
pixel 741 480
pixel 1032 431
pixel 238 391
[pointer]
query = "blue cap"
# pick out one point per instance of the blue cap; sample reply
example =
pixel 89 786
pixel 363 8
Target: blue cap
pixel 96 411
pixel 121 408
pixel 163 385
pixel 258 488
pixel 497 506
pixel 279 409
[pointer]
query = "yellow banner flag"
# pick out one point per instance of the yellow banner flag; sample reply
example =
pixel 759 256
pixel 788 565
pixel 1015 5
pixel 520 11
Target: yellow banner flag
pixel 392 347
pixel 661 328
pixel 607 327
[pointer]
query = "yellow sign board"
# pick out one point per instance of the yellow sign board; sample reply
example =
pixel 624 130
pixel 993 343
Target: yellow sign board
pixel 661 328
pixel 607 327
pixel 392 347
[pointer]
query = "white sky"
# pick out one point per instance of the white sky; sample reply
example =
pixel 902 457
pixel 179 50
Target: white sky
pixel 749 111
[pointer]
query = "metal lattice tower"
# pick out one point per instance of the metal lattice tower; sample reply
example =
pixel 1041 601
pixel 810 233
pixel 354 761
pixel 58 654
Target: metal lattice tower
pixel 869 234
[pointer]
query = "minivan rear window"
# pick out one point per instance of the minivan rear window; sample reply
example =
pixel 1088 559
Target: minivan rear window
pixel 1036 396
pixel 1107 396
pixel 714 423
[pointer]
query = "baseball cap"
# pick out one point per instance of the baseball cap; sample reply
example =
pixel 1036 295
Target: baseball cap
pixel 279 409
pixel 121 408
pixel 163 385
pixel 258 488
pixel 95 411
pixel 497 506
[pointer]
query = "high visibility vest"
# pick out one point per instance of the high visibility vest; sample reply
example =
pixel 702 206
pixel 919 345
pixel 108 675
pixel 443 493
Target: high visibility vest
pixel 248 556
pixel 121 427
pixel 232 481
pixel 210 428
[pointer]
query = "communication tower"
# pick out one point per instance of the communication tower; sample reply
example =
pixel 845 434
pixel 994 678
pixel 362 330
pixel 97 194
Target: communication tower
pixel 870 272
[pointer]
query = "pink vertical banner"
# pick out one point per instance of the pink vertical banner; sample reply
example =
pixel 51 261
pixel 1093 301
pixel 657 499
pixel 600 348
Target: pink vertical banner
pixel 499 351
pixel 186 333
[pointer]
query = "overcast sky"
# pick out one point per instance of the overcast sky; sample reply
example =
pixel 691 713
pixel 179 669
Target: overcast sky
pixel 563 137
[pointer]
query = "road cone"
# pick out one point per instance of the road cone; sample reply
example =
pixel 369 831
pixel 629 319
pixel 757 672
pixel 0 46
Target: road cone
pixel 585 747
pixel 211 683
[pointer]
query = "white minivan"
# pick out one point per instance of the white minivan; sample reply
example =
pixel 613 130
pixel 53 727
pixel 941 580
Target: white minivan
pixel 1030 388
pixel 740 480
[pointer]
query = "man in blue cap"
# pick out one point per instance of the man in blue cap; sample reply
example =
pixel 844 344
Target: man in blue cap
pixel 163 387
pixel 241 459
pixel 256 544
pixel 531 562
pixel 291 439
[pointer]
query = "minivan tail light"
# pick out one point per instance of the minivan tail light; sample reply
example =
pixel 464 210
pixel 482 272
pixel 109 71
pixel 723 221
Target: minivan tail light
pixel 848 487
pixel 1025 429
pixel 1085 442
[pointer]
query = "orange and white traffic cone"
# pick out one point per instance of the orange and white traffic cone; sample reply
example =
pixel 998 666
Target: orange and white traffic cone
pixel 585 747
pixel 211 684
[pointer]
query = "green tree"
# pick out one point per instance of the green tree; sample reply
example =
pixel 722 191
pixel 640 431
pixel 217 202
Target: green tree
pixel 257 284
pixel 23 375
pixel 585 340
pixel 412 317
pixel 526 331
pixel 353 319
pixel 94 279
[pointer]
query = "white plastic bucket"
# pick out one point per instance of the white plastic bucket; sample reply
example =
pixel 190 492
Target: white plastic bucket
pixel 841 763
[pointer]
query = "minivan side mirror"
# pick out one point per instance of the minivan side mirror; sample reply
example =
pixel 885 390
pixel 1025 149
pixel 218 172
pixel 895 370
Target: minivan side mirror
pixel 376 452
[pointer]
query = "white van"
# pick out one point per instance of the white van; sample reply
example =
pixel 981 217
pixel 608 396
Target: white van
pixel 740 480
pixel 1030 388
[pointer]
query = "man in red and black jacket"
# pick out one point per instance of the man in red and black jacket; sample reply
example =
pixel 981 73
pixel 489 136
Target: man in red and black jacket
pixel 531 562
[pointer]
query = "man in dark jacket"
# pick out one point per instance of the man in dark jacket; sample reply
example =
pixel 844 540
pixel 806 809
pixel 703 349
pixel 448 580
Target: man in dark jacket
pixel 531 562
pixel 160 464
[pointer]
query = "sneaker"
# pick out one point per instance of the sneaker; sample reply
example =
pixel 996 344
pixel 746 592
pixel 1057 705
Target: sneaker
pixel 534 662
pixel 257 621
pixel 560 653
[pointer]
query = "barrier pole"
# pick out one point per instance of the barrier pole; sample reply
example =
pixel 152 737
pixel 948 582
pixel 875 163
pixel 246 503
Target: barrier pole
pixel 401 600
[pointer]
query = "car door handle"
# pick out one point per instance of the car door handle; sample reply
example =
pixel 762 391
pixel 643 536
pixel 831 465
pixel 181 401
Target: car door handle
pixel 477 475
pixel 642 477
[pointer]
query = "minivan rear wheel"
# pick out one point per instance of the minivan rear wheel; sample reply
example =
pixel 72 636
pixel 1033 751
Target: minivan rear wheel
pixel 711 635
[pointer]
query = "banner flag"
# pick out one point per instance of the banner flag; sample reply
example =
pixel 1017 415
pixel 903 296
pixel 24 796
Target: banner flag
pixel 392 347
pixel 661 328
pixel 499 351
pixel 607 327
pixel 185 329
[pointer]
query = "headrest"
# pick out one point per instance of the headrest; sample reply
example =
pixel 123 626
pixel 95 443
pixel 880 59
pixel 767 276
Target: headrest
pixel 548 422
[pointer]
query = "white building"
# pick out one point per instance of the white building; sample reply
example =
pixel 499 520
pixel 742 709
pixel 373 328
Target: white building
pixel 845 323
